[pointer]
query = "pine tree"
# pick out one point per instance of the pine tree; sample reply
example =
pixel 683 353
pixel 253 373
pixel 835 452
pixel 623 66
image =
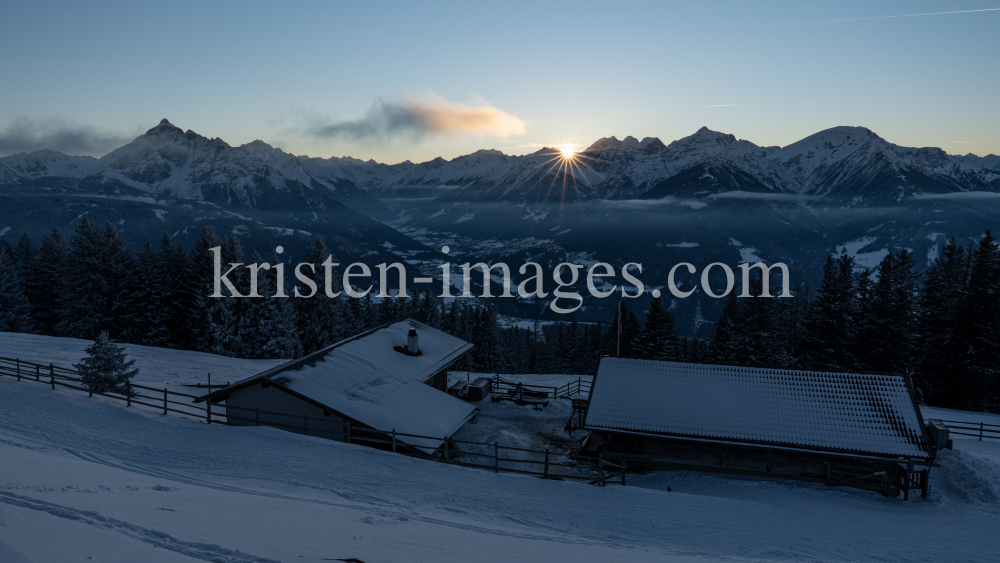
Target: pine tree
pixel 889 315
pixel 105 368
pixel 180 296
pixel 658 339
pixel 226 314
pixel 144 323
pixel 486 339
pixel 120 278
pixel 15 310
pixel 25 254
pixel 203 271
pixel 940 307
pixel 631 330
pixel 726 346
pixel 268 329
pixel 830 328
pixel 82 304
pixel 319 317
pixel 979 331
pixel 47 282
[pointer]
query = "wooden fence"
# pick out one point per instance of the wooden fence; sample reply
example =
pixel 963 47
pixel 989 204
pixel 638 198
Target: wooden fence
pixel 974 429
pixel 567 391
pixel 490 456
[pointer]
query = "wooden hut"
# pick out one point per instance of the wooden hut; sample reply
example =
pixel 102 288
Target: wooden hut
pixel 858 430
pixel 391 378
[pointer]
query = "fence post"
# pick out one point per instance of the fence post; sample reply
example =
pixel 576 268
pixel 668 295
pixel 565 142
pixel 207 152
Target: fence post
pixel 257 416
pixel 394 440
pixel 208 409
pixel 546 474
pixel 980 429
pixel 600 465
pixel 38 373
pixel 496 457
pixel 52 375
pixel 347 434
pixel 128 393
pixel 90 390
pixel 18 360
pixel 579 391
pixel 446 447
pixel 305 424
pixel 164 400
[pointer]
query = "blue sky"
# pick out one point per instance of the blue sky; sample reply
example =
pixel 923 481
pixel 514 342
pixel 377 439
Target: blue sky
pixel 568 72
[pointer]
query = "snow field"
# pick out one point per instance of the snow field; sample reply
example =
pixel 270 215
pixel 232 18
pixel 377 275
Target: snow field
pixel 86 477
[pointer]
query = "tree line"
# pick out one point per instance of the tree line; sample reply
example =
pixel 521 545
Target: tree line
pixel 941 327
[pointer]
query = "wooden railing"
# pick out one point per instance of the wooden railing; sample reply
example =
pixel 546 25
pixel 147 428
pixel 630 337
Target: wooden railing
pixel 483 455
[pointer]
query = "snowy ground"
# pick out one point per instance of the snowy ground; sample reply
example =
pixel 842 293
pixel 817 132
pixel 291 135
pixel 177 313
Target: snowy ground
pixel 85 479
pixel 157 367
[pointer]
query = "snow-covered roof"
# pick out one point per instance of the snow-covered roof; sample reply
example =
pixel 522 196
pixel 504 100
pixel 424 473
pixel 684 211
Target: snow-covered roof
pixel 864 413
pixel 365 379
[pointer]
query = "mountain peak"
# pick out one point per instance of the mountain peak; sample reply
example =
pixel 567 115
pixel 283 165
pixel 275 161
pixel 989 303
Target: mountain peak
pixel 164 127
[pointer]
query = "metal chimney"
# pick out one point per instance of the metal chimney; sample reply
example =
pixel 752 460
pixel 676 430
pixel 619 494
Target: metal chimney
pixel 411 342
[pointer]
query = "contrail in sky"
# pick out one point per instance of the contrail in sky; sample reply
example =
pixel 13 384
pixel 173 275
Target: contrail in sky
pixel 726 105
pixel 888 17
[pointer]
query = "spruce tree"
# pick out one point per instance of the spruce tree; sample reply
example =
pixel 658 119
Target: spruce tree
pixel 226 314
pixel 979 331
pixel 726 346
pixel 47 282
pixel 15 310
pixel 104 368
pixel 940 308
pixel 658 339
pixel 180 296
pixel 203 271
pixel 830 328
pixel 83 306
pixel 319 317
pixel 25 254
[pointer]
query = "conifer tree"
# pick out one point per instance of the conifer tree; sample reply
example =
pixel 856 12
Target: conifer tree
pixel 180 295
pixel 25 254
pixel 144 323
pixel 658 339
pixel 226 314
pixel 47 282
pixel 83 304
pixel 202 284
pixel 830 328
pixel 726 346
pixel 889 319
pixel 319 317
pixel 979 331
pixel 15 310
pixel 105 368
pixel 941 305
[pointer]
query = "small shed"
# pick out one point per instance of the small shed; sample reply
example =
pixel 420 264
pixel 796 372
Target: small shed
pixel 859 430
pixel 391 378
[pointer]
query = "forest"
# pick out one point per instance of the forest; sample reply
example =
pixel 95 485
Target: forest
pixel 941 327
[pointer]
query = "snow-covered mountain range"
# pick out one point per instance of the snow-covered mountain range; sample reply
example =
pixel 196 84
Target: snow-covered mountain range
pixel 704 198
pixel 852 165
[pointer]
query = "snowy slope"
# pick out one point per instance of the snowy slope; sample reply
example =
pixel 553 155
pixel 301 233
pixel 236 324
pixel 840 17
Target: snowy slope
pixel 82 477
pixel 157 367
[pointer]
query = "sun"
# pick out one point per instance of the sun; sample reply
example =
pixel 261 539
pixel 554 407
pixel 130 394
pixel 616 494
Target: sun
pixel 567 151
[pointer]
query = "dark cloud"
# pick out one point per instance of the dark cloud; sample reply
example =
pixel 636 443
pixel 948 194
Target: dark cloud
pixel 26 135
pixel 386 120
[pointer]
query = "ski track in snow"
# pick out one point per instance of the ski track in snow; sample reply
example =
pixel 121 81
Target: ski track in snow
pixel 706 517
pixel 204 552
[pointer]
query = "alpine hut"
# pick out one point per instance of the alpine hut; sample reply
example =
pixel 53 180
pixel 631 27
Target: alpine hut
pixel 858 430
pixel 391 379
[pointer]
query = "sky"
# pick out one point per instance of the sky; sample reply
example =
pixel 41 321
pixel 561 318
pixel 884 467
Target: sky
pixel 414 81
